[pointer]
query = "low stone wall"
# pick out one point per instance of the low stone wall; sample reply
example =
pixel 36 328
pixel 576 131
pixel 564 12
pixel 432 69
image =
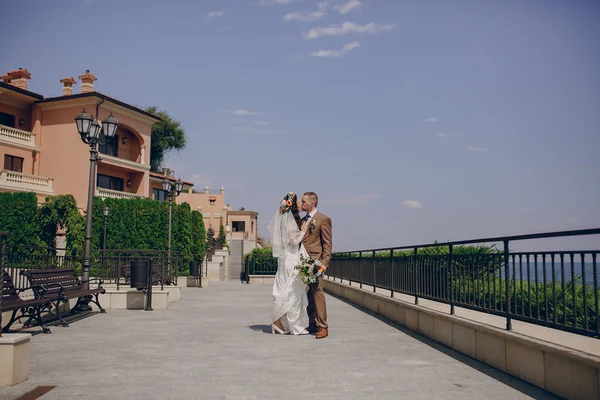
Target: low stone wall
pixel 559 370
pixel 132 299
pixel 262 279
pixel 189 281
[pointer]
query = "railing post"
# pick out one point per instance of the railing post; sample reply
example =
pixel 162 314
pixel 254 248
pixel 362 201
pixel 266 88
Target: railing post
pixel 392 273
pixel 350 268
pixel 507 280
pixel 149 287
pixel 374 273
pixel 416 277
pixel 360 268
pixel 451 283
pixel 3 236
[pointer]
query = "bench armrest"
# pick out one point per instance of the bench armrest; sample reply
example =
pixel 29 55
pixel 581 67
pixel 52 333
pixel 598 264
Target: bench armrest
pixel 41 290
pixel 60 292
pixel 100 281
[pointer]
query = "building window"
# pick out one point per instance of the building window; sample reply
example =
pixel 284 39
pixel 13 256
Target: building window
pixel 111 148
pixel 7 119
pixel 13 163
pixel 212 199
pixel 159 194
pixel 109 182
pixel 252 227
pixel 206 214
pixel 238 226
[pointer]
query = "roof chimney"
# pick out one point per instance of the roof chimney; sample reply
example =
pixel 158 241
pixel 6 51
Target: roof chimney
pixel 87 81
pixel 17 78
pixel 68 85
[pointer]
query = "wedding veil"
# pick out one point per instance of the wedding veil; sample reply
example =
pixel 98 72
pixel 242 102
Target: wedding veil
pixel 284 233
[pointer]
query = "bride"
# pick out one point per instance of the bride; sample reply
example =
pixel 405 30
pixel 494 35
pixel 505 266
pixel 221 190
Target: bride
pixel 289 292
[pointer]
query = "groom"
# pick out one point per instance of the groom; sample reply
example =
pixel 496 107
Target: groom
pixel 317 242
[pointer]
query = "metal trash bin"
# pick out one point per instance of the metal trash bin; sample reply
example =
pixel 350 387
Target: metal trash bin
pixel 139 274
pixel 194 268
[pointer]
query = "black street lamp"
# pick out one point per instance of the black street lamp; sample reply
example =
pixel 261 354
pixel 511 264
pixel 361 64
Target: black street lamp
pixel 90 131
pixel 171 191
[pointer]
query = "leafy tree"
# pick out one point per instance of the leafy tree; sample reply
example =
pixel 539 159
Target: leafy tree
pixel 168 134
pixel 210 233
pixel 222 237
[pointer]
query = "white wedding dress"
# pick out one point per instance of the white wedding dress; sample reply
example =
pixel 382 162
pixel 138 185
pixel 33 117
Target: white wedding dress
pixel 289 292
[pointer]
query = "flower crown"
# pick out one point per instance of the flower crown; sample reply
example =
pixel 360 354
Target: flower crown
pixel 286 204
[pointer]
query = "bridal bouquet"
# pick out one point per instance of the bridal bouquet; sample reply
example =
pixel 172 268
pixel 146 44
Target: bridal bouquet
pixel 307 269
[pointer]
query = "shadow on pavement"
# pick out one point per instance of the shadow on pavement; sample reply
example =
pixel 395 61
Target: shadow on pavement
pixel 261 328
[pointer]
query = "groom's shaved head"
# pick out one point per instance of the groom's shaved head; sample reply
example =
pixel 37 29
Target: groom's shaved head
pixel 312 198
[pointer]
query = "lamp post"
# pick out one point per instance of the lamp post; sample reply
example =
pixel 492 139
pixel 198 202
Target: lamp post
pixel 171 191
pixel 90 130
pixel 106 212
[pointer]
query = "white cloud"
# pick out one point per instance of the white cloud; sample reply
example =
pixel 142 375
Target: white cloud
pixel 412 204
pixel 345 28
pixel 431 119
pixel 245 113
pixel 307 15
pixel 215 14
pixel 246 129
pixel 336 53
pixel 355 199
pixel 261 123
pixel 477 149
pixel 269 3
pixel 349 6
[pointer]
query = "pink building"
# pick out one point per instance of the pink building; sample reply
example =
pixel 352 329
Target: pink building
pixel 41 151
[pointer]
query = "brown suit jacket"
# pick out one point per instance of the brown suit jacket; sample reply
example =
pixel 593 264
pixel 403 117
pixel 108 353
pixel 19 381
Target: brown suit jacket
pixel 317 241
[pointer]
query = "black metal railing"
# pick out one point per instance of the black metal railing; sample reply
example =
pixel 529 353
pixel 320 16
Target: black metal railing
pixel 113 266
pixel 558 289
pixel 3 237
pixel 260 266
pixel 110 266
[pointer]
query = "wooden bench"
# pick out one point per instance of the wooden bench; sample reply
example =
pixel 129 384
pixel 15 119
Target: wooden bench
pixel 61 285
pixel 30 308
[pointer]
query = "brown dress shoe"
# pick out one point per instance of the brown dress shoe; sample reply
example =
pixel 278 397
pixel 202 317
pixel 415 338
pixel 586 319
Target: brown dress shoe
pixel 322 334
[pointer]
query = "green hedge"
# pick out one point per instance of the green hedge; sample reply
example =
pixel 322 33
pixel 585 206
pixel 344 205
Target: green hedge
pixel 18 215
pixel 140 224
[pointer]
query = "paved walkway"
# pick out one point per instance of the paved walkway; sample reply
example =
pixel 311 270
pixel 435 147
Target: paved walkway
pixel 213 345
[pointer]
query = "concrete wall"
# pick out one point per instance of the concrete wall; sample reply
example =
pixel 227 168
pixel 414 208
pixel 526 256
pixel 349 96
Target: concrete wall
pixel 563 371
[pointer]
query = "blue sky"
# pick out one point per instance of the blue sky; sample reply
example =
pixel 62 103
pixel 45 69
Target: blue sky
pixel 413 120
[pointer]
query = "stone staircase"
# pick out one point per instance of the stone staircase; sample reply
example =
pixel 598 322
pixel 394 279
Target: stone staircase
pixel 217 269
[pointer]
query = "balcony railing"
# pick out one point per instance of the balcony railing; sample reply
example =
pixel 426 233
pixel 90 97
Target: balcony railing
pixel 17 137
pixel 18 181
pixel 116 194
pixel 124 161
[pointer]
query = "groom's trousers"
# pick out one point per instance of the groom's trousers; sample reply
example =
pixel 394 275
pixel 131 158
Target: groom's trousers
pixel 317 310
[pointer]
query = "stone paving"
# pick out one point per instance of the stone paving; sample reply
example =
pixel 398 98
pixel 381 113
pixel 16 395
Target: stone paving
pixel 216 344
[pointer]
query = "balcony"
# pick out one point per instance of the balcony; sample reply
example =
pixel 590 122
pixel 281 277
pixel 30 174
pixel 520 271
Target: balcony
pixel 11 181
pixel 116 194
pixel 124 161
pixel 17 138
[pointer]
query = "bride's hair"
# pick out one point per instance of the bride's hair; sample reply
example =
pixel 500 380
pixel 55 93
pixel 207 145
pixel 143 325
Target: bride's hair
pixel 293 207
